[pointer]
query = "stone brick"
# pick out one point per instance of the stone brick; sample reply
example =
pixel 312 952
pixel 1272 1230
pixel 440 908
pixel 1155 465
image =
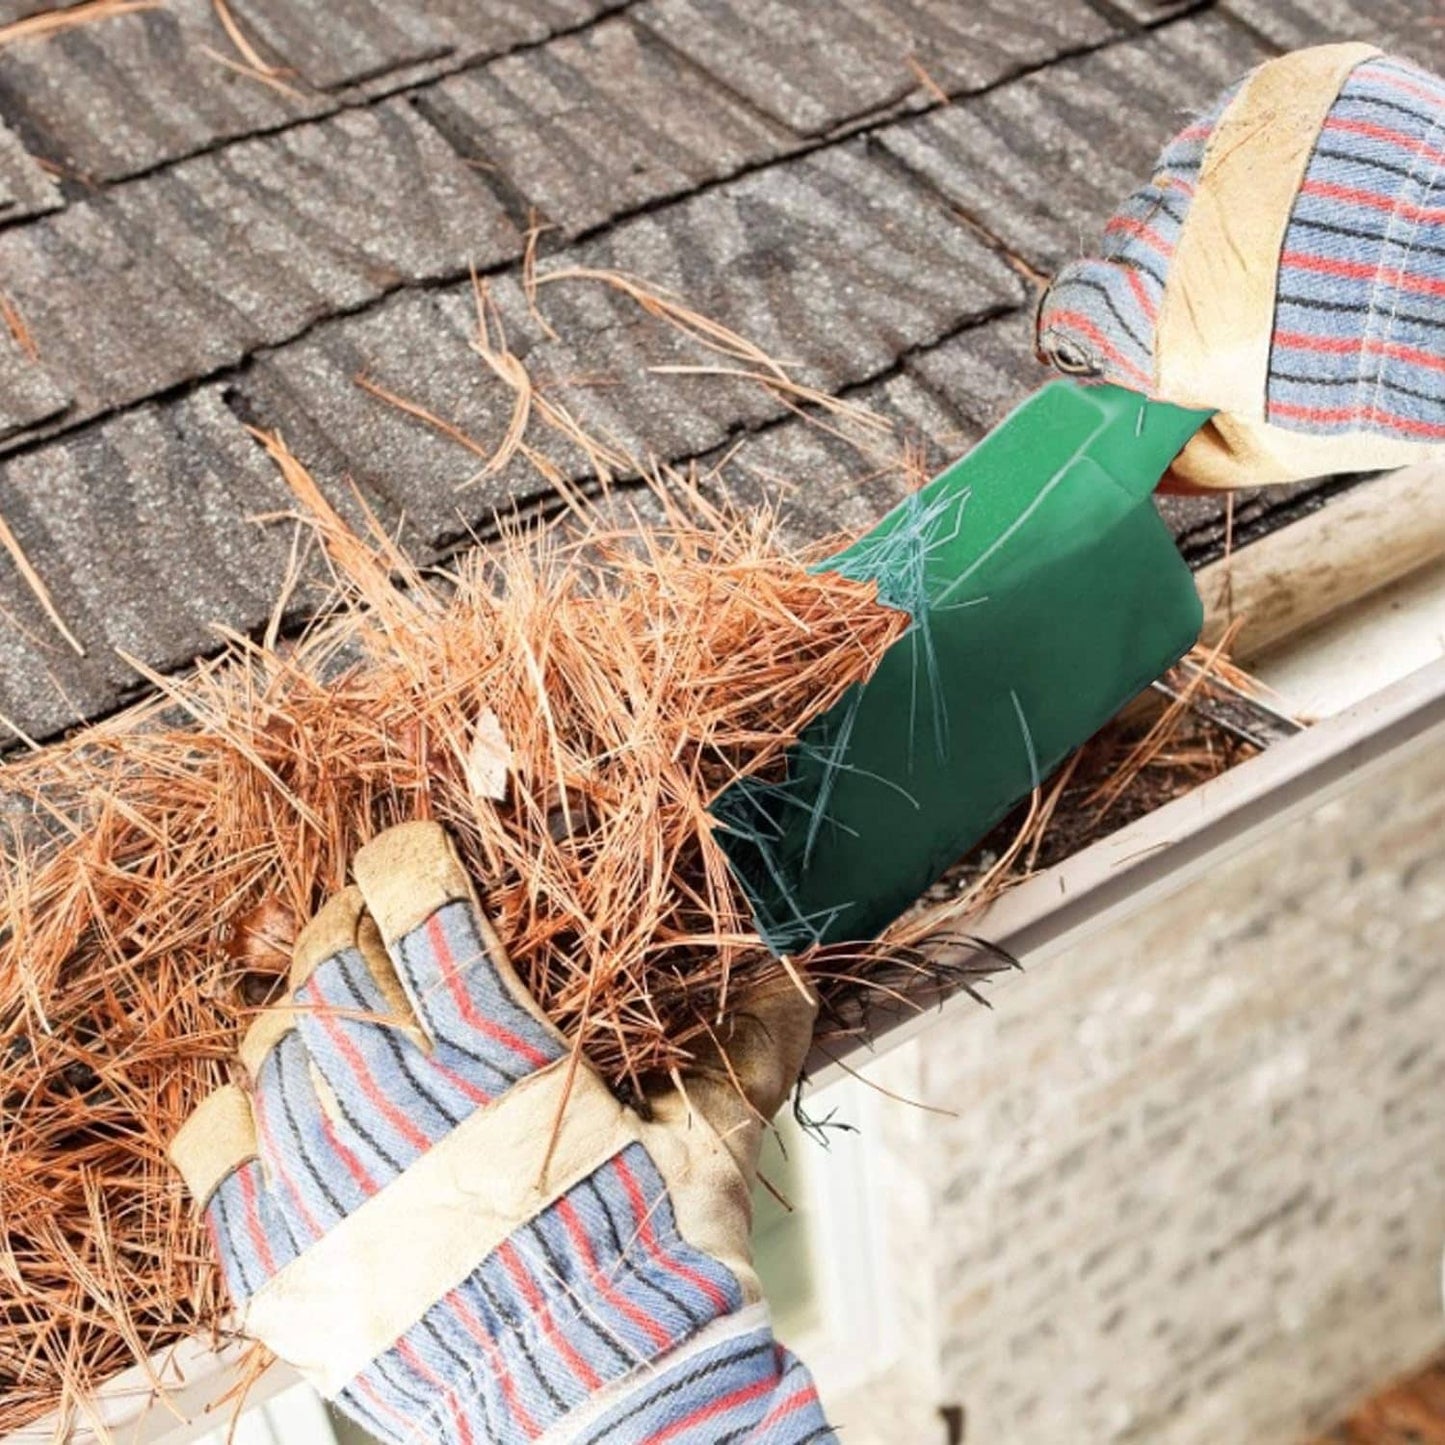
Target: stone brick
pixel 1190 1179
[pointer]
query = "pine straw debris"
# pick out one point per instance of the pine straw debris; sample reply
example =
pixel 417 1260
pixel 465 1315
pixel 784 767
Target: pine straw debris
pixel 567 704
pixel 159 865
pixel 607 684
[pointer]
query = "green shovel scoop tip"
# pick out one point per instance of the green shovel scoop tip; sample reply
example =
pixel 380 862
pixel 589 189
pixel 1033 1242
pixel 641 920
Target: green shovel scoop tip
pixel 1044 592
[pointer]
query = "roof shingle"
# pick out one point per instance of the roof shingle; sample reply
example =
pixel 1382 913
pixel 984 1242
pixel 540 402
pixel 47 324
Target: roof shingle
pixel 598 124
pixel 1412 28
pixel 170 277
pixel 124 94
pixel 25 188
pixel 219 250
pixel 813 67
pixel 1044 161
pixel 143 523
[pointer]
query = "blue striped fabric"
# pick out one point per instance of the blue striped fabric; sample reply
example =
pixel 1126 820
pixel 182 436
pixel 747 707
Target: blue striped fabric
pixel 396 1099
pixel 746 1390
pixel 1359 327
pixel 1098 316
pixel 1359 341
pixel 597 1286
pixel 590 1298
pixel 252 1239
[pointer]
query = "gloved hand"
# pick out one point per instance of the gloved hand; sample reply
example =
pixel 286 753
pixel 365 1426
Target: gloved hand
pixel 407 1212
pixel 1285 265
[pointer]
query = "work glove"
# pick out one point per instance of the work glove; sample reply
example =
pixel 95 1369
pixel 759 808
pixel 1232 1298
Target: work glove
pixel 420 1204
pixel 1285 266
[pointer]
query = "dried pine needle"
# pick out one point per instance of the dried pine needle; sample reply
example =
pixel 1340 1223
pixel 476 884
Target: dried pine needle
pixel 158 865
pixel 51 22
pixel 19 329
pixel 567 704
pixel 36 583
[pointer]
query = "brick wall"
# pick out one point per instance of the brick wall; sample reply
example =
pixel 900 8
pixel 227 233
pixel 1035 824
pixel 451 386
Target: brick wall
pixel 1194 1186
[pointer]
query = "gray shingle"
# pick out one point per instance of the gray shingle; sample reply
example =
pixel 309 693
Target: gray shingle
pixel 461 34
pixel 124 94
pixel 332 43
pixel 28 393
pixel 139 526
pixel 120 95
pixel 364 44
pixel 1407 27
pixel 13 10
pixel 837 478
pixel 25 188
pixel 476 32
pixel 984 373
pixel 416 345
pixel 815 66
pixel 209 259
pixel 836 262
pixel 143 329
pixel 1152 12
pixel 1044 160
pixel 898 273
pixel 832 261
pixel 598 123
pixel 344 207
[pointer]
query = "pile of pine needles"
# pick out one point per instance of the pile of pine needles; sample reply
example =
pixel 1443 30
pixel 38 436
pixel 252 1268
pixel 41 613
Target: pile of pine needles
pixel 567 708
pixel 567 702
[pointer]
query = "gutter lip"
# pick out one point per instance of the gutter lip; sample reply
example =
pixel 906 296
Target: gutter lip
pixel 1159 854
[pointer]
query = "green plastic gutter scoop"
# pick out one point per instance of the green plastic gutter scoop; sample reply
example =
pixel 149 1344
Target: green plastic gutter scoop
pixel 1045 592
